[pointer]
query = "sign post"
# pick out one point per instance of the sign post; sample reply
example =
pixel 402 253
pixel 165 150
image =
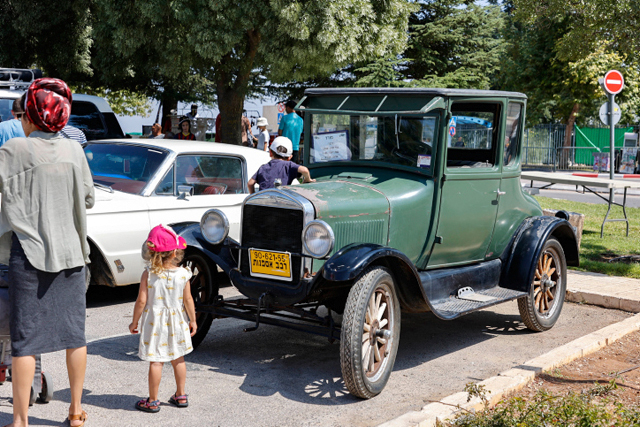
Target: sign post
pixel 612 84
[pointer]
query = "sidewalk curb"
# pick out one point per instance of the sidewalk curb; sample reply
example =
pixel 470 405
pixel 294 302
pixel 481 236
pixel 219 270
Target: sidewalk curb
pixel 516 378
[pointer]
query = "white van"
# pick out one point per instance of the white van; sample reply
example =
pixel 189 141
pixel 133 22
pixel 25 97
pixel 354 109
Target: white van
pixel 91 114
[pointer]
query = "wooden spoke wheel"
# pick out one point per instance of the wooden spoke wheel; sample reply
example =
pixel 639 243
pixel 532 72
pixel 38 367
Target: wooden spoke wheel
pixel 204 288
pixel 541 308
pixel 370 333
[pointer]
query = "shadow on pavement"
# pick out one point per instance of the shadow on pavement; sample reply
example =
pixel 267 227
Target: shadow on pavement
pixel 306 368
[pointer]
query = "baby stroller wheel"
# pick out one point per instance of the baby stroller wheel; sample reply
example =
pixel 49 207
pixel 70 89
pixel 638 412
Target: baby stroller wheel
pixel 32 398
pixel 46 394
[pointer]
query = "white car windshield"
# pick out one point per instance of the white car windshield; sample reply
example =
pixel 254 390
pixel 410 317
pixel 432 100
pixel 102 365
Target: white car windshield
pixel 126 168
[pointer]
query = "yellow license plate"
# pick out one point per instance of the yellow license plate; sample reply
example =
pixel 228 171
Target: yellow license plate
pixel 270 264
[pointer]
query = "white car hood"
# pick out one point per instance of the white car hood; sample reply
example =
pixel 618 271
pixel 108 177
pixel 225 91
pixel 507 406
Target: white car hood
pixel 117 201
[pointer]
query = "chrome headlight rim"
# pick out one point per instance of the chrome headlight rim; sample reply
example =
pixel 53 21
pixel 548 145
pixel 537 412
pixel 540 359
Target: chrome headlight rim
pixel 225 224
pixel 329 230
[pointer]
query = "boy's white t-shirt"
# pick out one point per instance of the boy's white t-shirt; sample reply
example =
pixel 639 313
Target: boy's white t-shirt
pixel 263 139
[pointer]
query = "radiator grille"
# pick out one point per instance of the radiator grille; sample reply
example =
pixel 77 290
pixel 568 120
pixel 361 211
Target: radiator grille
pixel 272 228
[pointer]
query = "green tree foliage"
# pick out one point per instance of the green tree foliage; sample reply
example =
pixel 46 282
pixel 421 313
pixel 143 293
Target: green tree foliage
pixel 233 45
pixel 561 89
pixel 593 22
pixel 453 43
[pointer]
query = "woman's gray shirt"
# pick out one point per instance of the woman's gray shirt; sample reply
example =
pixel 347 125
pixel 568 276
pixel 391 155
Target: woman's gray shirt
pixel 46 187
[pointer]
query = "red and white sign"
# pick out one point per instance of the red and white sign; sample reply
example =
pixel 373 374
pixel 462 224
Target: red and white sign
pixel 613 82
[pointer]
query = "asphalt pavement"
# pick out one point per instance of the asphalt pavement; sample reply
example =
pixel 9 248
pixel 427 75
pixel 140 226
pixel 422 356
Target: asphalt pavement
pixel 275 377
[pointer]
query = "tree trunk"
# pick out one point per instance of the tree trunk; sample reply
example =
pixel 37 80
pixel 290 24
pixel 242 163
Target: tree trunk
pixel 168 103
pixel 230 103
pixel 566 155
pixel 231 90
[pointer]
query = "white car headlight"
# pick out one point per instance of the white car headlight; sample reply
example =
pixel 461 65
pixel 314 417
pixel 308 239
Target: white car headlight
pixel 318 239
pixel 214 226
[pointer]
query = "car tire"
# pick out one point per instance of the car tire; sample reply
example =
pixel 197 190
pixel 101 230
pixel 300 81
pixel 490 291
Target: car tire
pixel 369 342
pixel 541 308
pixel 204 289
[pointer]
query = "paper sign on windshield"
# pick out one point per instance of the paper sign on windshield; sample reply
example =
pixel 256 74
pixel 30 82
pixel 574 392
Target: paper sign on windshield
pixel 331 146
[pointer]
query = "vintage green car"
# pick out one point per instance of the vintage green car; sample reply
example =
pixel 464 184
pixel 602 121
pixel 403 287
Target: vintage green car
pixel 417 207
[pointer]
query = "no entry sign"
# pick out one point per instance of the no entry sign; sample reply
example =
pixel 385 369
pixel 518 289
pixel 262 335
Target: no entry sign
pixel 613 82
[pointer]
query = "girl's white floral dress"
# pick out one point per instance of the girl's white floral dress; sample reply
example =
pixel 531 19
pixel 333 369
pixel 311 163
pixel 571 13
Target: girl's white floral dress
pixel 164 327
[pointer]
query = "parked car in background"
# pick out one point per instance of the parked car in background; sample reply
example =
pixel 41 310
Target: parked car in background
pixel 91 114
pixel 417 207
pixel 143 183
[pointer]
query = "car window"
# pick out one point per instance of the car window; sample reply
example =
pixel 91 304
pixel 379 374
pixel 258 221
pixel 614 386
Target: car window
pixel 123 167
pixel 512 133
pixel 471 135
pixel 165 187
pixel 209 174
pixel 397 139
pixel 86 117
pixel 5 109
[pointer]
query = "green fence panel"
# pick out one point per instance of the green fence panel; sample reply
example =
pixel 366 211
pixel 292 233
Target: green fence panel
pixel 593 140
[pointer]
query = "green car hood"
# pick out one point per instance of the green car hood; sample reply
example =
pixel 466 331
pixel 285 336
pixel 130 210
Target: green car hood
pixel 356 212
pixel 341 199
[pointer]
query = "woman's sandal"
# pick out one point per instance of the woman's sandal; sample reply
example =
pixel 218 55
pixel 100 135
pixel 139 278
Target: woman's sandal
pixel 175 400
pixel 148 406
pixel 78 417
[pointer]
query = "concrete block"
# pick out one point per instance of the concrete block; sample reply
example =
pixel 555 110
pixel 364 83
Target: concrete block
pixel 575 219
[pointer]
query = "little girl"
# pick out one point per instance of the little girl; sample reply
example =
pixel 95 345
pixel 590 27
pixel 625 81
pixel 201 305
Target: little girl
pixel 165 329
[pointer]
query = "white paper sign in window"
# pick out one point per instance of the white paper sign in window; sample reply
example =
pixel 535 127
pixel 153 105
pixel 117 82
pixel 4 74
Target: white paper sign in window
pixel 331 146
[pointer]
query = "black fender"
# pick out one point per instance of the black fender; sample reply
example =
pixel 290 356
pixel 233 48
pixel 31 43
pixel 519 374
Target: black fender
pixel 221 254
pixel 350 262
pixel 521 256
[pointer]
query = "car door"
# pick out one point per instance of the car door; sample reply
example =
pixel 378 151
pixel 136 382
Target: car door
pixel 210 180
pixel 471 184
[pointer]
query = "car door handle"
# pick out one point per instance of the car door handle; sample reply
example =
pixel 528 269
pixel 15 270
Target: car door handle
pixel 500 193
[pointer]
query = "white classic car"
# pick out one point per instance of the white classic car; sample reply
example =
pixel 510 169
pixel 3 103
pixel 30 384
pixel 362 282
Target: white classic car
pixel 140 183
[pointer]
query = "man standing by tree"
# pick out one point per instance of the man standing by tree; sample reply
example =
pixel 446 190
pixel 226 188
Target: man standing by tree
pixel 291 127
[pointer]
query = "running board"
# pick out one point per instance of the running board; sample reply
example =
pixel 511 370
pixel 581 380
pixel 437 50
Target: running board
pixel 456 306
pixel 452 292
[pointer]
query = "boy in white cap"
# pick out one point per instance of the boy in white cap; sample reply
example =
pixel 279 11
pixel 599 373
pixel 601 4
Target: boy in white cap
pixel 280 168
pixel 263 138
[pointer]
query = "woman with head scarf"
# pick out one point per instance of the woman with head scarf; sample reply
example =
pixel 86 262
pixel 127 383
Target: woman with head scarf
pixel 46 188
pixel 185 127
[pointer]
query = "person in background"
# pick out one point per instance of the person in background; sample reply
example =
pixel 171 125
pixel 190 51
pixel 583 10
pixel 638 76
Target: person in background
pixel 156 131
pixel 280 170
pixel 72 132
pixel 248 140
pixel 47 250
pixel 193 114
pixel 185 126
pixel 263 138
pixel 13 128
pixel 291 127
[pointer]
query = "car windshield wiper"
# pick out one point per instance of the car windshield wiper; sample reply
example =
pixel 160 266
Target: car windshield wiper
pixel 103 187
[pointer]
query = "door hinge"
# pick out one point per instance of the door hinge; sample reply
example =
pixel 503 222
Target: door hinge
pixel 439 240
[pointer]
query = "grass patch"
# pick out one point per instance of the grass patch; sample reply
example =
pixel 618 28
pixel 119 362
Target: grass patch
pixel 544 409
pixel 595 252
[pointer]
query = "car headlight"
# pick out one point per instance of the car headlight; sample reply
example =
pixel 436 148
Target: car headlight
pixel 214 226
pixel 318 239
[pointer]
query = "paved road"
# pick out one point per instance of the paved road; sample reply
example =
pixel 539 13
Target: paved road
pixel 568 193
pixel 276 377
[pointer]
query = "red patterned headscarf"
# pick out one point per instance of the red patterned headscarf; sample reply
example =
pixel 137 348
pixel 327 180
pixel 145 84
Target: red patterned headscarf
pixel 48 104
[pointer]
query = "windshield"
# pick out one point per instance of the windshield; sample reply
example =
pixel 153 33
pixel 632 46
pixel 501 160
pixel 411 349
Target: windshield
pixel 126 168
pixel 5 109
pixel 397 139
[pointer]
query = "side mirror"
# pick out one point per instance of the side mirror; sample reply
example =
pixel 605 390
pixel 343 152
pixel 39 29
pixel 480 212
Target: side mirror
pixel 185 191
